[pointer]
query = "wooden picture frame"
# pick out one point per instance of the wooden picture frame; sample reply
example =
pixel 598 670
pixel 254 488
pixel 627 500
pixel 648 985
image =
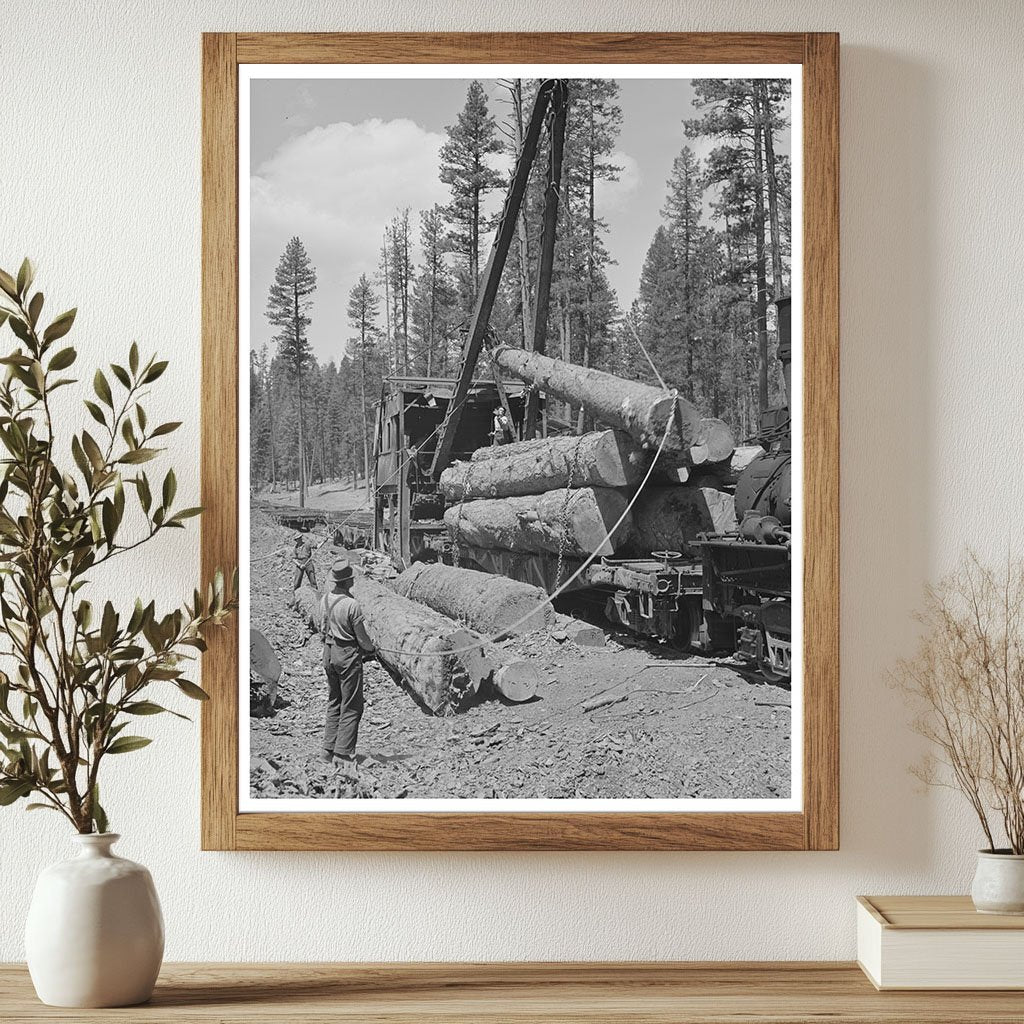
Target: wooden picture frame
pixel 816 827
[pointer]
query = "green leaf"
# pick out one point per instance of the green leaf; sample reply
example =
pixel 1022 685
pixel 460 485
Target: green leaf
pixel 92 449
pixel 8 284
pixel 145 497
pixel 128 433
pixel 121 374
pixel 26 275
pixel 191 690
pixel 133 358
pixel 63 359
pixel 95 412
pixel 166 428
pixel 60 326
pixel 14 790
pixel 170 488
pixel 20 329
pixel 99 816
pixel 102 388
pixel 35 308
pixel 138 455
pixel 40 807
pixel 154 371
pixel 126 744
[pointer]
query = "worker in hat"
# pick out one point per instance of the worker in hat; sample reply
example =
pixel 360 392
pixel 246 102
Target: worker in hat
pixel 303 557
pixel 346 643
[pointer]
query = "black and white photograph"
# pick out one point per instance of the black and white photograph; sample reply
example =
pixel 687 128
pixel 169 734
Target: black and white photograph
pixel 521 432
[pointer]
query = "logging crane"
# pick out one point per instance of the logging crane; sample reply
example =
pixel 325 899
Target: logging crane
pixel 731 592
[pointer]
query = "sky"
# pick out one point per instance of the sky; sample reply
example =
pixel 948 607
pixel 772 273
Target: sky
pixel 333 160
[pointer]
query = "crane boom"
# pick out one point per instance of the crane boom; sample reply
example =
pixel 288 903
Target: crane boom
pixel 551 97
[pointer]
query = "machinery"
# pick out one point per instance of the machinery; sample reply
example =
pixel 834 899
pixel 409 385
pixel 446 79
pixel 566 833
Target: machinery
pixel 747 574
pixel 731 594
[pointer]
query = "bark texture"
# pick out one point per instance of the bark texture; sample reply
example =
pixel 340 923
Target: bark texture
pixel 493 605
pixel 669 518
pixel 641 411
pixel 422 636
pixel 542 522
pixel 601 458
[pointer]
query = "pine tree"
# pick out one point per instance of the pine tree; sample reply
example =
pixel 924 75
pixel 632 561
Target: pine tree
pixel 288 307
pixel 433 299
pixel 363 310
pixel 464 168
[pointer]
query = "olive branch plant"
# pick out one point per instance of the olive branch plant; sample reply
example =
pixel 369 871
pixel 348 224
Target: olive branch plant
pixel 80 673
pixel 966 681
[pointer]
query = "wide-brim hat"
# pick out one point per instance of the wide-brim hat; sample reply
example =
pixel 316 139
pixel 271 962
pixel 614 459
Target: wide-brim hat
pixel 341 571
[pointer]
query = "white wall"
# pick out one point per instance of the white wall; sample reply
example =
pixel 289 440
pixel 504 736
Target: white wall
pixel 99 181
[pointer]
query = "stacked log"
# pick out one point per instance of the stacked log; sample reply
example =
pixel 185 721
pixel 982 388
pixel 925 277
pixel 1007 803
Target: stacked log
pixel 641 411
pixel 575 522
pixel 670 518
pixel 602 458
pixel 493 605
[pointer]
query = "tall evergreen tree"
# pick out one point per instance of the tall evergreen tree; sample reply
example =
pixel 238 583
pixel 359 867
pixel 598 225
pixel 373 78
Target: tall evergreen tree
pixel 434 298
pixel 363 310
pixel 288 306
pixel 464 168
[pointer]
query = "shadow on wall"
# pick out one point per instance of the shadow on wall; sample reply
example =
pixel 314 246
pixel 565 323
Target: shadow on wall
pixel 888 300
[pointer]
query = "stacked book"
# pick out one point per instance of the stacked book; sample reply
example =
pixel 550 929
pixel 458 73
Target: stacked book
pixel 938 942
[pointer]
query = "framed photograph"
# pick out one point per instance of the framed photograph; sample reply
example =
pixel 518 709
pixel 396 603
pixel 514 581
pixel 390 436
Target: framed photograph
pixel 520 420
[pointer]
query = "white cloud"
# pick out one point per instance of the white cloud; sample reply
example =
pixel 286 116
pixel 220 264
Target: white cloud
pixel 336 187
pixel 615 195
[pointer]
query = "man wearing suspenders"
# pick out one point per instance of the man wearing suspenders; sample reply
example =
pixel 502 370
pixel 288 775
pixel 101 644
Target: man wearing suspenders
pixel 345 641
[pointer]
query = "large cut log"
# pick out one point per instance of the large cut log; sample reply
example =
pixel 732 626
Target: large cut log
pixel 602 458
pixel 669 518
pixel 413 641
pixel 493 605
pixel 641 411
pixel 441 663
pixel 577 520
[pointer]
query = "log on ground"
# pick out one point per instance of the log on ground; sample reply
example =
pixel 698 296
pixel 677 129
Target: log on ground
pixel 578 519
pixel 442 663
pixel 670 518
pixel 494 605
pixel 641 411
pixel 413 642
pixel 601 458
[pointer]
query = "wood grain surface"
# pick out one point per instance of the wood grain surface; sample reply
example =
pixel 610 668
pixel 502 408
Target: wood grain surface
pixel 784 993
pixel 817 826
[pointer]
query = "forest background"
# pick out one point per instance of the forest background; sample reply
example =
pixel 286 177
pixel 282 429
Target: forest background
pixel 702 309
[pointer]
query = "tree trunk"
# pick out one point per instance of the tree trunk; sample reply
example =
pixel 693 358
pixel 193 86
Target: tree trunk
pixel 669 518
pixel 493 605
pixel 640 410
pixel 521 223
pixel 773 189
pixel 760 271
pixel 579 520
pixel 608 458
pixel 441 663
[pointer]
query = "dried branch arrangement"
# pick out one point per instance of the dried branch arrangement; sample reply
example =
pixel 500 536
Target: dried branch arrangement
pixel 967 680
pixel 80 672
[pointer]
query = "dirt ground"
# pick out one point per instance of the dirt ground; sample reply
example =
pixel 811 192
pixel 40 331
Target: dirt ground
pixel 689 726
pixel 331 496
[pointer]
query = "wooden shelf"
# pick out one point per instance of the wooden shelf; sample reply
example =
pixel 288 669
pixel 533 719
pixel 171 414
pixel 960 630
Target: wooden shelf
pixel 793 993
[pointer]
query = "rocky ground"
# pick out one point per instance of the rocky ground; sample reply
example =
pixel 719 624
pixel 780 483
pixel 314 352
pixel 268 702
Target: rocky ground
pixel 688 726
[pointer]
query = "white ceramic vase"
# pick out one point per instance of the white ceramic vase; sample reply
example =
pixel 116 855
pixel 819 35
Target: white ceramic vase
pixel 999 883
pixel 95 934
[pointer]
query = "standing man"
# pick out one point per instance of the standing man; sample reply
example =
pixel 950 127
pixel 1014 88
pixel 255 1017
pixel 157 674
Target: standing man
pixel 345 643
pixel 303 556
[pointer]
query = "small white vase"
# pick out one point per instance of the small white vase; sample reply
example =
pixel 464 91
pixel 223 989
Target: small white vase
pixel 999 883
pixel 95 934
